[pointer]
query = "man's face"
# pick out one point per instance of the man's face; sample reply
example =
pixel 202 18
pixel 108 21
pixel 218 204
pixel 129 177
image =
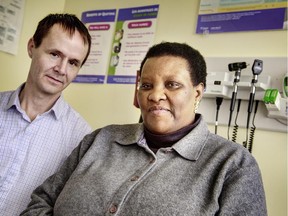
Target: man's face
pixel 56 62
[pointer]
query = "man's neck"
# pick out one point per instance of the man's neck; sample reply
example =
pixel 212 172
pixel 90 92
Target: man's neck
pixel 35 103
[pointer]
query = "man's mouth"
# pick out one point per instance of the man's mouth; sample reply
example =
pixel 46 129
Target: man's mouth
pixel 55 79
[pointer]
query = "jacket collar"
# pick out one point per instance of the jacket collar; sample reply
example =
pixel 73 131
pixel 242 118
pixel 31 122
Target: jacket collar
pixel 189 147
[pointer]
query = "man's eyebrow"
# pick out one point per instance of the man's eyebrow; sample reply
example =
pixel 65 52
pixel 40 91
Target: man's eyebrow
pixel 53 50
pixel 78 61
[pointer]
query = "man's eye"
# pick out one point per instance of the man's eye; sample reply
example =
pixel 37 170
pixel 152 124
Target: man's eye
pixel 54 55
pixel 74 63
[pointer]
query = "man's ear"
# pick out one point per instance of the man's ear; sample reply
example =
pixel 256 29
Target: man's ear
pixel 30 47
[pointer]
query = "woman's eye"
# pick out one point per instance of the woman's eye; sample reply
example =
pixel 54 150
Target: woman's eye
pixel 145 86
pixel 173 85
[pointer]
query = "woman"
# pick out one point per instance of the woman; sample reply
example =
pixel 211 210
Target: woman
pixel 168 165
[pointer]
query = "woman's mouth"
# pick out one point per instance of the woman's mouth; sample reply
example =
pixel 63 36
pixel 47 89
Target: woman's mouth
pixel 158 110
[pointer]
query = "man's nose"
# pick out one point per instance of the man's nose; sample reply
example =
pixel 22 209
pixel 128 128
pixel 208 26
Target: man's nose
pixel 61 67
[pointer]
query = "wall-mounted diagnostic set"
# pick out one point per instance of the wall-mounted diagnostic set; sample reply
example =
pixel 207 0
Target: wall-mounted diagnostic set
pixel 238 87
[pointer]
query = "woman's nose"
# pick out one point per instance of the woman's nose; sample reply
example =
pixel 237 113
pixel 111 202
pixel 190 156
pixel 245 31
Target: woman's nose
pixel 157 94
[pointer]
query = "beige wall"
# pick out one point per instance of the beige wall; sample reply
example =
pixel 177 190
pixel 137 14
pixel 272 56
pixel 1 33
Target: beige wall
pixel 107 104
pixel 14 69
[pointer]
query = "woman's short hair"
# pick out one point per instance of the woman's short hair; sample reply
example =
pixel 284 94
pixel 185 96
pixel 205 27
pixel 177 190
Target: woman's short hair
pixel 196 62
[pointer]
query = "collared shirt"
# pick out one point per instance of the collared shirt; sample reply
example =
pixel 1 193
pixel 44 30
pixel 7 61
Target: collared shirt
pixel 31 151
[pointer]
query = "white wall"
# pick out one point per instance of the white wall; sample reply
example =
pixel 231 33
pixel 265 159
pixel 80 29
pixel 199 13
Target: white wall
pixel 107 104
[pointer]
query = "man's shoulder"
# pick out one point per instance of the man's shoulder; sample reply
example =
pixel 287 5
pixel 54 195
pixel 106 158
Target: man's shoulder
pixel 74 118
pixel 70 112
pixel 6 93
pixel 64 109
pixel 5 96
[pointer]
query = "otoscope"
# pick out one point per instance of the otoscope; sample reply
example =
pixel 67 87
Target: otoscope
pixel 257 68
pixel 237 67
pixel 218 103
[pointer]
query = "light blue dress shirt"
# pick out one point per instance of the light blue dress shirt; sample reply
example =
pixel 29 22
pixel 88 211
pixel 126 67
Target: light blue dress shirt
pixel 31 151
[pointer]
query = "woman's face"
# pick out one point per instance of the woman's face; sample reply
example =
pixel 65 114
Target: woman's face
pixel 166 95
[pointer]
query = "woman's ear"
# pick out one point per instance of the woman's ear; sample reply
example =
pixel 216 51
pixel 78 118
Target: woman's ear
pixel 30 47
pixel 199 91
pixel 135 102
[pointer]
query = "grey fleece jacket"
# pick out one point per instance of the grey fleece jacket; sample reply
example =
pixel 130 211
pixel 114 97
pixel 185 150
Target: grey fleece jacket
pixel 113 172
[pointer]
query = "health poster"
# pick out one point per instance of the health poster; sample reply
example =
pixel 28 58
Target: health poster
pixel 216 16
pixel 101 24
pixel 134 34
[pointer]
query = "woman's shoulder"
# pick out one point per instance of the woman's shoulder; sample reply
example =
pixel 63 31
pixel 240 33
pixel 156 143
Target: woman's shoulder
pixel 229 150
pixel 120 131
pixel 122 128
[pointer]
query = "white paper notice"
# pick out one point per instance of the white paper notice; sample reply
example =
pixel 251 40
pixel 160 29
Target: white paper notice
pixel 11 16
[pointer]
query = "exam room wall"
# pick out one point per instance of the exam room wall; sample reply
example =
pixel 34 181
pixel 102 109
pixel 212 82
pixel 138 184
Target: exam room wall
pixel 106 104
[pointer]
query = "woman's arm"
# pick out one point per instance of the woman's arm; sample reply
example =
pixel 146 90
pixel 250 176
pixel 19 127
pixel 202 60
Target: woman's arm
pixel 243 193
pixel 44 197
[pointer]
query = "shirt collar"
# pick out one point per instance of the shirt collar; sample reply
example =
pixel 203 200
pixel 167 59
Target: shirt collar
pixel 129 134
pixel 57 109
pixel 14 99
pixel 189 147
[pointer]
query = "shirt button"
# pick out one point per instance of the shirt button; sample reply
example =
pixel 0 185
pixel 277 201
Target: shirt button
pixel 152 161
pixel 134 178
pixel 113 209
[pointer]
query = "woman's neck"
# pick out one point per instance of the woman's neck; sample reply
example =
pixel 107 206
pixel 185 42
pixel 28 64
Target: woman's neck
pixel 156 141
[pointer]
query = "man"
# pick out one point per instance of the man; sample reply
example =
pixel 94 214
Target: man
pixel 38 129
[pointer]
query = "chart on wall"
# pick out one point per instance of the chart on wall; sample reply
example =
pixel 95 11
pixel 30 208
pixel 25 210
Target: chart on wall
pixel 217 16
pixel 11 17
pixel 118 47
pixel 134 34
pixel 100 24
